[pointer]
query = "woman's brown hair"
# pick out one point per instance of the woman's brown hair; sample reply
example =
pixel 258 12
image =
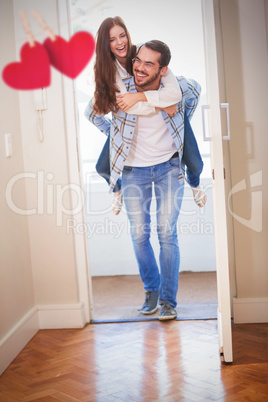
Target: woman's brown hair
pixel 105 68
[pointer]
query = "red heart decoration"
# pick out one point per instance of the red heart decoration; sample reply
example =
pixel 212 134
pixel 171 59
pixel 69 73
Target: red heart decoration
pixel 33 72
pixel 71 57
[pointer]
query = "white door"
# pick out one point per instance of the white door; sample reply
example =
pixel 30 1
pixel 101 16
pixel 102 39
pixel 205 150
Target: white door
pixel 216 135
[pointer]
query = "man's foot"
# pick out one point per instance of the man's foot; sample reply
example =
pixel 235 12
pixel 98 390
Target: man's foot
pixel 151 303
pixel 117 202
pixel 167 312
pixel 200 196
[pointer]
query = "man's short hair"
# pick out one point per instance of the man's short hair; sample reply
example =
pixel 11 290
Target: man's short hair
pixel 161 48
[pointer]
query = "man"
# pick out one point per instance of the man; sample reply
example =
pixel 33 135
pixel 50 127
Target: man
pixel 148 152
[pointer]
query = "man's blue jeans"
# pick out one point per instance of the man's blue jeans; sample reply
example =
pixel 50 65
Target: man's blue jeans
pixel 191 158
pixel 137 185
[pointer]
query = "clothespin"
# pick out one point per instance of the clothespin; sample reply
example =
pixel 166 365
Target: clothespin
pixel 43 25
pixel 27 28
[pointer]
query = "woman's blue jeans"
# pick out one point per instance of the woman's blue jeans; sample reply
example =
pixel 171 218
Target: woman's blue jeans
pixel 103 165
pixel 137 185
pixel 191 158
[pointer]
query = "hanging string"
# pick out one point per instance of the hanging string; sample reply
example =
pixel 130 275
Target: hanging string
pixel 27 28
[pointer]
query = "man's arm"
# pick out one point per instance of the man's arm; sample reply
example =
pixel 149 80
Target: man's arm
pixel 100 121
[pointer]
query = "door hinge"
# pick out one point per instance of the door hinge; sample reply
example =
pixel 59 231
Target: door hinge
pixel 213 174
pixel 221 354
pixel 224 173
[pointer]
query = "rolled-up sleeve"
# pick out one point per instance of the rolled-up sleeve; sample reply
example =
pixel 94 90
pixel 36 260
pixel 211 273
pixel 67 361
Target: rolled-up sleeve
pixel 192 97
pixel 102 122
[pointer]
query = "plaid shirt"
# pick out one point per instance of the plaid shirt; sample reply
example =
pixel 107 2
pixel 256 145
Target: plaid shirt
pixel 121 127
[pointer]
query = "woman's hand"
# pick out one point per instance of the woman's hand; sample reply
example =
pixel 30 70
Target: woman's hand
pixel 126 101
pixel 171 110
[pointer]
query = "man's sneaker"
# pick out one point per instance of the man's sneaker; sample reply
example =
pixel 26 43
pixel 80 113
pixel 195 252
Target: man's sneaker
pixel 167 312
pixel 150 304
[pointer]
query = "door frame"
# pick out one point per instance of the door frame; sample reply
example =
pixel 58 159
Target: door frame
pixel 221 239
pixel 84 282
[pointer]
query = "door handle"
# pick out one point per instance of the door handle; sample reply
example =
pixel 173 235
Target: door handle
pixel 203 108
pixel 226 106
pixel 223 106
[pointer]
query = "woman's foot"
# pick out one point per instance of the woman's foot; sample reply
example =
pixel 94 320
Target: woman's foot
pixel 200 196
pixel 117 202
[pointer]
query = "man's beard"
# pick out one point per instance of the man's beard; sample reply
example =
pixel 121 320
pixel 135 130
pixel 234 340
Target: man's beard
pixel 151 80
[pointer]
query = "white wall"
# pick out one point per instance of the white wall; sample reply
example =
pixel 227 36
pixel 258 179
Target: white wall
pixel 54 273
pixel 39 276
pixel 17 297
pixel 16 284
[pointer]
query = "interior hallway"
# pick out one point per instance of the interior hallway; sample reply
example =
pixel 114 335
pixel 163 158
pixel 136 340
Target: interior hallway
pixel 141 361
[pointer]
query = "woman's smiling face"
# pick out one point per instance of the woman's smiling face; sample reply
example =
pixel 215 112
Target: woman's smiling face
pixel 118 42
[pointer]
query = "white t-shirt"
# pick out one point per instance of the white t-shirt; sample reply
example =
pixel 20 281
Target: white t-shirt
pixel 151 143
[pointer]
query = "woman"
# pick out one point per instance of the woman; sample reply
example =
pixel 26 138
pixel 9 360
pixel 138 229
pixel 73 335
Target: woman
pixel 114 54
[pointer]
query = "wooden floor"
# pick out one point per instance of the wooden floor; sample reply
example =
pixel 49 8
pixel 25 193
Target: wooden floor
pixel 141 361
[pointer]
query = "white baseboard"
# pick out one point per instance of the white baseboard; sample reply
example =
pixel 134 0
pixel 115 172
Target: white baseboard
pixel 61 316
pixel 58 316
pixel 17 338
pixel 250 311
